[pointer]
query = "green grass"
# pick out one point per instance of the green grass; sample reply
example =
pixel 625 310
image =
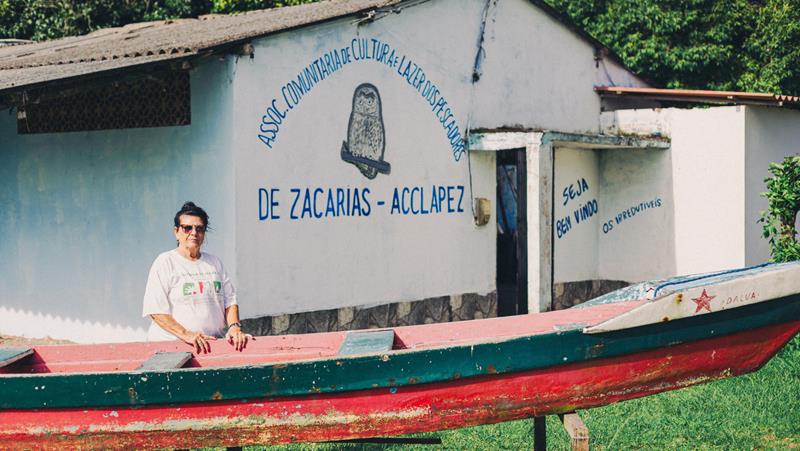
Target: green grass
pixel 754 411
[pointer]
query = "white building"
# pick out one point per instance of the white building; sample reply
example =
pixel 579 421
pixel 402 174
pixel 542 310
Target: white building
pixel 347 152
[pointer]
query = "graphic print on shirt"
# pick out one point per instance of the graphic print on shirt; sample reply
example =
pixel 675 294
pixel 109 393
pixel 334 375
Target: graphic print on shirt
pixel 203 285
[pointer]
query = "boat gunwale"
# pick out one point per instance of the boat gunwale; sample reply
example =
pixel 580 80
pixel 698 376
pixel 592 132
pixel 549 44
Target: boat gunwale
pixel 758 271
pixel 460 344
pixel 520 354
pixel 633 306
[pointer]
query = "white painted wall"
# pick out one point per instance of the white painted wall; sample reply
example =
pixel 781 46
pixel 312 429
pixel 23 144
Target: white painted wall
pixel 538 74
pixel 294 265
pixel 635 230
pixel 644 122
pixel 708 170
pixel 577 184
pixel 83 215
pixel 720 158
pixel 770 135
pixel 630 237
pixel 708 180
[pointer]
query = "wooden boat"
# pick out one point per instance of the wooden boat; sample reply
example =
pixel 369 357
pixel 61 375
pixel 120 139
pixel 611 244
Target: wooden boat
pixel 637 341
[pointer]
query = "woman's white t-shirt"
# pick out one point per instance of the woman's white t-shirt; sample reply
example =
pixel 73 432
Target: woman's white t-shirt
pixel 196 293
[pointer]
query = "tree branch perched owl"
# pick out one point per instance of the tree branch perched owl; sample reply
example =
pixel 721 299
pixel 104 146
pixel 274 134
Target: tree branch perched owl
pixel 366 137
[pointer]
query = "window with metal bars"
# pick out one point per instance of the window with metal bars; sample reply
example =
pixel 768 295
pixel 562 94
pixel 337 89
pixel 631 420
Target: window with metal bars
pixel 158 100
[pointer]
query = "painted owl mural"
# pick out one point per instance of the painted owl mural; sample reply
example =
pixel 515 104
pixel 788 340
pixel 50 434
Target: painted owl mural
pixel 366 138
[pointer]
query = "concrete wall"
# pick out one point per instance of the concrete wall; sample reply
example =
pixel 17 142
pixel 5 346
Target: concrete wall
pixel 349 258
pixel 635 230
pixel 720 158
pixel 708 180
pixel 83 214
pixel 577 216
pixel 770 135
pixel 708 168
pixel 538 74
pixel 387 250
pixel 613 215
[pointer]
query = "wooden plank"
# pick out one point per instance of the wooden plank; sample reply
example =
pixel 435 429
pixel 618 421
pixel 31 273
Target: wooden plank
pixel 367 342
pixel 11 355
pixel 165 361
pixel 577 431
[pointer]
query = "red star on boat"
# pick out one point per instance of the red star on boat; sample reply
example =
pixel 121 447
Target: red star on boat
pixel 703 302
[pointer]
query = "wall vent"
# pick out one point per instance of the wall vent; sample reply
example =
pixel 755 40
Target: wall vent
pixel 161 99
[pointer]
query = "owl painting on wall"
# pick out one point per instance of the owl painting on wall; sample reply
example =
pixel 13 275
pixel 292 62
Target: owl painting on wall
pixel 366 138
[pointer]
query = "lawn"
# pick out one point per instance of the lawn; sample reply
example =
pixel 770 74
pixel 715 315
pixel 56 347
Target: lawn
pixel 755 411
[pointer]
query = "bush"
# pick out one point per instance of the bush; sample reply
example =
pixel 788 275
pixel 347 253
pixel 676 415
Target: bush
pixel 778 222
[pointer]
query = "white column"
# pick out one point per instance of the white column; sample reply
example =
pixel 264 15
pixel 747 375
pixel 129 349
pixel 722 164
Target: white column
pixel 540 223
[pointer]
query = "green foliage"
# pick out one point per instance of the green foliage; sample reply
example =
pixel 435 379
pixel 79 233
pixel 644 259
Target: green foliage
pixel 773 50
pixel 50 19
pixel 232 6
pixel 779 220
pixel 750 45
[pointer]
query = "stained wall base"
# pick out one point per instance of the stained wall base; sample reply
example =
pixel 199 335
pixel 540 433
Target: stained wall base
pixel 432 310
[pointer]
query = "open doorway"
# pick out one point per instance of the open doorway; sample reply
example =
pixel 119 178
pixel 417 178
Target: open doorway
pixel 512 233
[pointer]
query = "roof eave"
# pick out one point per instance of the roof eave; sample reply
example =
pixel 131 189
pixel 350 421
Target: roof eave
pixel 618 98
pixel 225 47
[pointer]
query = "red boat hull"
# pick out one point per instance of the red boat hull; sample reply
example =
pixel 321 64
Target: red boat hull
pixel 402 410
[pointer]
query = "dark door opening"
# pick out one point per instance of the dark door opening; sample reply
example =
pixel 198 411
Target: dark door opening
pixel 512 233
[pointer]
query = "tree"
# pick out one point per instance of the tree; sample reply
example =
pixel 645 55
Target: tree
pixel 50 19
pixel 232 6
pixel 750 45
pixel 772 51
pixel 747 45
pixel 779 220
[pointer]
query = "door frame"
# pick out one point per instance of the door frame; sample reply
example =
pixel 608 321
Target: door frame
pixel 538 201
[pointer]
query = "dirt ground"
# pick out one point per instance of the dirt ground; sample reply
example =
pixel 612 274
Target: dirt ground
pixel 12 341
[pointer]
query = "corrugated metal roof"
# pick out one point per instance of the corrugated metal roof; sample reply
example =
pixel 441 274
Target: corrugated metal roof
pixel 111 50
pixel 696 96
pixel 154 42
pixel 5 42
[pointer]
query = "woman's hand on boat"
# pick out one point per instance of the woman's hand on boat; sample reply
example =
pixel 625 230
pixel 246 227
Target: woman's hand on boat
pixel 199 341
pixel 237 338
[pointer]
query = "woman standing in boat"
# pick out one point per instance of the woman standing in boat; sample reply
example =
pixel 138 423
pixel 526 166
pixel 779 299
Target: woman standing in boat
pixel 188 293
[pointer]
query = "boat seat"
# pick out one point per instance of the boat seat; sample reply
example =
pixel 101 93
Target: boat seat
pixel 165 361
pixel 367 342
pixel 11 355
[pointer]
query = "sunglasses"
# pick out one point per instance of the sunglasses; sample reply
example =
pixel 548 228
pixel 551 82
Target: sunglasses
pixel 188 228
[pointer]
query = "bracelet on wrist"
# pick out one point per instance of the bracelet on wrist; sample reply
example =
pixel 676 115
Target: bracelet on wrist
pixel 237 324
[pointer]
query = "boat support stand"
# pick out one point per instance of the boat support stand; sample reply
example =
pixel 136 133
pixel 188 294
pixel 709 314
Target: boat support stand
pixel 576 429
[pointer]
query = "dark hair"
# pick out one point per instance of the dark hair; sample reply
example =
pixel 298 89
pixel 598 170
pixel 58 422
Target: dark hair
pixel 189 208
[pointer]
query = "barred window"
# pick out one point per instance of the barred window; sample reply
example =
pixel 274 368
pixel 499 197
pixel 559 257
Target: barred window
pixel 161 99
